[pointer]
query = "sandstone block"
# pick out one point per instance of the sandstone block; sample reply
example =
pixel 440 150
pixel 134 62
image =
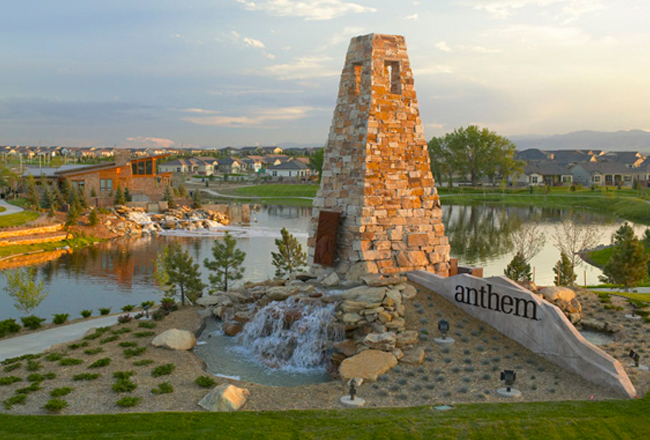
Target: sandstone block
pixel 368 364
pixel 381 341
pixel 175 339
pixel 225 398
pixel 553 293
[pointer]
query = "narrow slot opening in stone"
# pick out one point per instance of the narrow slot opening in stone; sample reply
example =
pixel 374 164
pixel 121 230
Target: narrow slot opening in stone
pixel 357 77
pixel 393 74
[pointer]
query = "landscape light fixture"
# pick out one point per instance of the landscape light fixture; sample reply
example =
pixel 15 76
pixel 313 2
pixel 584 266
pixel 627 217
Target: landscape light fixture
pixel 443 328
pixel 146 309
pixel 635 357
pixel 509 377
pixel 353 390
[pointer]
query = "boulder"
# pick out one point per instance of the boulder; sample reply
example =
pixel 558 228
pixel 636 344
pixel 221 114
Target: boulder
pixel 225 398
pixel 280 293
pixel 381 341
pixel 359 269
pixel 175 339
pixel 351 318
pixel 528 285
pixel 331 280
pixel 384 317
pixel 554 293
pixel 208 301
pixel 406 338
pixel 348 348
pixel 232 328
pixel 396 324
pixel 349 306
pixel 408 292
pixel 413 357
pixel 368 364
pixel 365 294
pixel 395 296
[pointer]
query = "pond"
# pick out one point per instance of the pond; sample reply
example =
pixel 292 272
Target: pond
pixel 121 272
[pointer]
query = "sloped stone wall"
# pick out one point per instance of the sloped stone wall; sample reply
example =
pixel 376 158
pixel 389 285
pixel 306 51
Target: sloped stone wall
pixel 376 169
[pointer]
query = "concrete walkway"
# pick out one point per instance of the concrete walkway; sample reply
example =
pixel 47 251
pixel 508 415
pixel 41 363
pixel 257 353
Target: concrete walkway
pixel 38 342
pixel 10 209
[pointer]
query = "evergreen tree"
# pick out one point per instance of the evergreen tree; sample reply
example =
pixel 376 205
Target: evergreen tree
pixel 182 192
pixel 290 256
pixel 93 219
pixel 518 269
pixel 127 195
pixel 46 198
pixel 119 196
pixel 52 211
pixel 66 189
pixel 30 189
pixel 196 200
pixel 93 193
pixel 563 271
pixel 57 196
pixel 183 276
pixel 226 264
pixel 81 195
pixel 628 263
pixel 73 215
pixel 169 197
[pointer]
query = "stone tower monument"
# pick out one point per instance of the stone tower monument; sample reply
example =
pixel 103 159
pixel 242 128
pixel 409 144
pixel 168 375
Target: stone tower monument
pixel 377 210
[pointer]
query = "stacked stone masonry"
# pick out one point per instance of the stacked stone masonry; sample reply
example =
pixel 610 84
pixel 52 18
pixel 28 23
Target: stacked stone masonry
pixel 376 169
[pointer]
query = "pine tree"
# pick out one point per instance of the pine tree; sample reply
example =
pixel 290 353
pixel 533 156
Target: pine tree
pixel 93 219
pixel 127 195
pixel 30 189
pixel 290 256
pixel 182 273
pixel 518 269
pixel 563 271
pixel 196 199
pixel 182 192
pixel 169 197
pixel 628 263
pixel 93 193
pixel 119 196
pixel 81 195
pixel 57 196
pixel 226 264
pixel 65 191
pixel 73 215
pixel 46 198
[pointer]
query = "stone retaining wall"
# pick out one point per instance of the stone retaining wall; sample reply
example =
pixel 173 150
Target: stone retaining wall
pixel 16 261
pixel 31 231
pixel 36 240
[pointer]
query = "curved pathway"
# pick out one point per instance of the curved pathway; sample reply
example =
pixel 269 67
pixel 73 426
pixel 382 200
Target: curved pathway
pixel 9 208
pixel 38 342
pixel 227 196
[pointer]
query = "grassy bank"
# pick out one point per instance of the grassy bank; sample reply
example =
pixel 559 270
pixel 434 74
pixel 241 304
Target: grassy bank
pixel 18 219
pixel 625 419
pixel 75 243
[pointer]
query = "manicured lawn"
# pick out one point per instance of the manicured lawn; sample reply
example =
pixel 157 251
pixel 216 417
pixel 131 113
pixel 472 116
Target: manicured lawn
pixel 600 257
pixel 278 190
pixel 22 249
pixel 623 419
pixel 18 219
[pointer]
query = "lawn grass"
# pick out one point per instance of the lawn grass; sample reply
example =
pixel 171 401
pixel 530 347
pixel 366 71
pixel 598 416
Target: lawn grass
pixel 621 419
pixel 600 257
pixel 20 218
pixel 278 190
pixel 645 297
pixel 75 243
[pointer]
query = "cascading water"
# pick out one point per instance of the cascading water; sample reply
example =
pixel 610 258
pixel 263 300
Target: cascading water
pixel 292 335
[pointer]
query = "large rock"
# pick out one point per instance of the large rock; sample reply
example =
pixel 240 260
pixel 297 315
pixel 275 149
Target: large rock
pixel 351 318
pixel 368 364
pixel 407 338
pixel 175 339
pixel 331 280
pixel 408 292
pixel 555 293
pixel 281 293
pixel 225 398
pixel 349 306
pixel 413 357
pixel 381 341
pixel 365 294
pixel 347 348
pixel 232 328
pixel 210 300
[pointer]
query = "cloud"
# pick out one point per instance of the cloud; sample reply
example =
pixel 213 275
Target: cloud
pixel 432 70
pixel 256 118
pixel 253 43
pixel 345 35
pixel 147 142
pixel 570 9
pixel 300 68
pixel 480 49
pixel 412 17
pixel 443 46
pixel 537 35
pixel 307 9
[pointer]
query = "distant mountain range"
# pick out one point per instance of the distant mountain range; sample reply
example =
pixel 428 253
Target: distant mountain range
pixel 632 140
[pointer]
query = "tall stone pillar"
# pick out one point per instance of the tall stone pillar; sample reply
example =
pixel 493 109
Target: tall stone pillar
pixel 376 170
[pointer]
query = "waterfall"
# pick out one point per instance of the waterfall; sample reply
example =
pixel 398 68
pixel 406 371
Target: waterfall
pixel 295 334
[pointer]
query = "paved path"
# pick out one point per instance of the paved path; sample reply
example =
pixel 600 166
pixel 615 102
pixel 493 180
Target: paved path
pixel 38 342
pixel 620 289
pixel 227 196
pixel 10 209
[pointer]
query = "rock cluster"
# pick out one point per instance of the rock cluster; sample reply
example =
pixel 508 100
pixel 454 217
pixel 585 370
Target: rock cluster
pixel 135 221
pixel 565 299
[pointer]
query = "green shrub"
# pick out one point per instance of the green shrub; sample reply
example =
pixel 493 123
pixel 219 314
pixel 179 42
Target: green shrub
pixel 54 405
pixel 78 345
pixel 130 352
pixel 92 351
pixel 50 375
pixel 85 376
pixel 70 361
pixel 121 331
pixel 8 326
pixel 32 322
pixel 33 365
pixel 104 311
pixel 35 377
pixel 143 334
pixel 18 399
pixel 163 388
pixel 60 392
pixel 158 315
pixel 205 381
pixel 128 401
pixel 124 386
pixel 128 308
pixel 12 367
pixel 109 339
pixel 53 357
pixel 8 380
pixel 103 362
pixel 163 370
pixel 127 344
pixel 143 363
pixel 30 389
pixel 124 319
pixel 60 318
pixel 86 313
pixel 147 324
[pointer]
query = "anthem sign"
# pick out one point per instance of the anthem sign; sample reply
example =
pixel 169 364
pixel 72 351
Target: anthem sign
pixel 531 321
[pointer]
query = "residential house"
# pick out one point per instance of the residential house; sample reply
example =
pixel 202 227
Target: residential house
pixel 290 169
pixel 207 165
pixel 543 173
pixel 532 155
pixel 270 150
pixel 602 174
pixel 229 165
pixel 245 151
pixel 630 159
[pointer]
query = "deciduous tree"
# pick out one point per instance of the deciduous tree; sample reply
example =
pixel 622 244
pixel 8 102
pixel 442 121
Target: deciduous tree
pixel 23 288
pixel 572 237
pixel 290 256
pixel 316 162
pixel 226 264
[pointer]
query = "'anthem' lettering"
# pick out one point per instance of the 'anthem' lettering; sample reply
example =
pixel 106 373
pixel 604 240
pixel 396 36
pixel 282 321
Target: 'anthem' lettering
pixel 487 299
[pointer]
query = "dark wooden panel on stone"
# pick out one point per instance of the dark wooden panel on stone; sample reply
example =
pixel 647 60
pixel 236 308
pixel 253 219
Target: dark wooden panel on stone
pixel 328 226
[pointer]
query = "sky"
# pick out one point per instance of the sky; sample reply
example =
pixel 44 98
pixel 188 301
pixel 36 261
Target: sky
pixel 215 73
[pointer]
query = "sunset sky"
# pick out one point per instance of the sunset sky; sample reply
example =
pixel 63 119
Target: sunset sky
pixel 245 72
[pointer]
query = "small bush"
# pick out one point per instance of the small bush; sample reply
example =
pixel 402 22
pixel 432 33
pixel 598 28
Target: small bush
pixel 70 361
pixel 54 405
pixel 32 322
pixel 85 376
pixel 127 344
pixel 18 399
pixel 53 357
pixel 12 367
pixel 168 305
pixel 30 389
pixel 104 311
pixel 163 388
pixel 205 382
pixel 92 351
pixel 35 377
pixel 163 370
pixel 143 363
pixel 8 380
pixel 103 362
pixel 147 324
pixel 128 308
pixel 60 392
pixel 33 365
pixel 124 319
pixel 109 339
pixel 78 345
pixel 130 352
pixel 158 315
pixel 143 334
pixel 60 318
pixel 121 331
pixel 8 326
pixel 86 313
pixel 124 386
pixel 128 401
